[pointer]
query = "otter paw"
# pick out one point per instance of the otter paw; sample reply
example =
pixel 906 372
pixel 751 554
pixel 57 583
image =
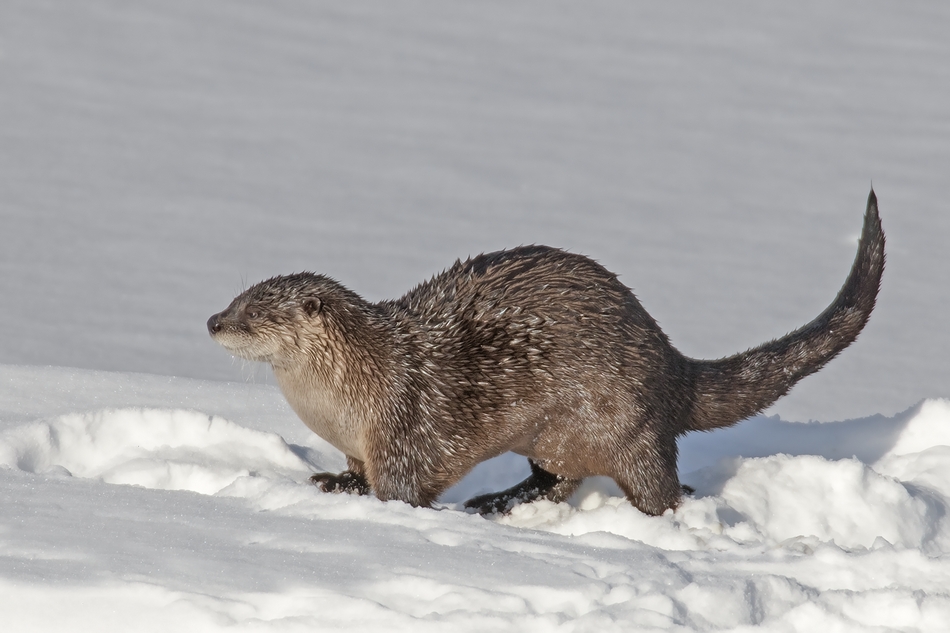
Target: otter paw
pixel 494 503
pixel 347 481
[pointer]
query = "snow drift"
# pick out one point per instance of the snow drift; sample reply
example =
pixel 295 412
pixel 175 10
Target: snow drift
pixel 160 517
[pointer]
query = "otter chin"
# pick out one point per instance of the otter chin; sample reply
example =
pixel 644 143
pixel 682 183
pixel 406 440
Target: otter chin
pixel 532 350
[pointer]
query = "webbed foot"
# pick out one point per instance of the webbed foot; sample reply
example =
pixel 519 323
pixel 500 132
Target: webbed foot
pixel 347 481
pixel 541 484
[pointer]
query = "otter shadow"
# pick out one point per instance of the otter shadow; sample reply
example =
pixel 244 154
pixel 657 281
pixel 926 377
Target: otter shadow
pixel 866 439
pixel 317 461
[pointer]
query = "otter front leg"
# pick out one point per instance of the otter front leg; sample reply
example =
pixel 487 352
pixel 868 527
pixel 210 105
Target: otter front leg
pixel 352 481
pixel 541 484
pixel 411 485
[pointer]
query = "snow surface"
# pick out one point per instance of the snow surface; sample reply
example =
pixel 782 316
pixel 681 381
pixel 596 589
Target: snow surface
pixel 158 156
pixel 139 517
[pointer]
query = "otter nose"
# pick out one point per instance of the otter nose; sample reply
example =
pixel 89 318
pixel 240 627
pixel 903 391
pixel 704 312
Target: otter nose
pixel 214 324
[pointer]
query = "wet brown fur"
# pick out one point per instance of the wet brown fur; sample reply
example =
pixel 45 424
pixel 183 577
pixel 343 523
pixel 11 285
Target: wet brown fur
pixel 532 350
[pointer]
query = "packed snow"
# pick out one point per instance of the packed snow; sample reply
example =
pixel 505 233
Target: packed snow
pixel 148 518
pixel 159 156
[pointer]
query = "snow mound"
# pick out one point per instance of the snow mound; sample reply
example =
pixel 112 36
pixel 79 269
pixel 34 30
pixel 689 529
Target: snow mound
pixel 804 541
pixel 153 448
pixel 796 502
pixel 842 501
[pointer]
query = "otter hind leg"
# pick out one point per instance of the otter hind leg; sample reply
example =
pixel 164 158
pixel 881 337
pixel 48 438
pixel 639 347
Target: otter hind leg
pixel 541 484
pixel 352 481
pixel 650 483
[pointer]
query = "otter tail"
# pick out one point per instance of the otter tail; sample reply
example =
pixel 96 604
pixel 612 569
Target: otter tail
pixel 731 389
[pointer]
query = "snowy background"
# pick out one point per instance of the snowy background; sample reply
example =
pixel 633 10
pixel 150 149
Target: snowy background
pixel 157 157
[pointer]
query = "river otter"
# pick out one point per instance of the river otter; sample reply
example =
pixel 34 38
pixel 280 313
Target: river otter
pixel 532 350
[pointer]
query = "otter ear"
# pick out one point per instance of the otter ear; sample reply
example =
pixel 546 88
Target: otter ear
pixel 312 306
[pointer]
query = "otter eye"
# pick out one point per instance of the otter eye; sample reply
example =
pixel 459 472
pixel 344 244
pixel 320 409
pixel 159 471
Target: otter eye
pixel 252 314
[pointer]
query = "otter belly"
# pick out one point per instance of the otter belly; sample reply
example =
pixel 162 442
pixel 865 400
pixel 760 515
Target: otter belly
pixel 336 434
pixel 325 415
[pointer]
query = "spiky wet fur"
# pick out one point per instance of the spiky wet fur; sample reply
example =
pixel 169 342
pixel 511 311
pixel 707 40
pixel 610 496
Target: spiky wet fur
pixel 532 350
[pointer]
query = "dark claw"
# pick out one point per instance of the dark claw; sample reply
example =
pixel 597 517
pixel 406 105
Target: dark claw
pixel 347 481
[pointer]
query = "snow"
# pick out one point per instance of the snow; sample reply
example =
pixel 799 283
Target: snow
pixel 148 518
pixel 157 157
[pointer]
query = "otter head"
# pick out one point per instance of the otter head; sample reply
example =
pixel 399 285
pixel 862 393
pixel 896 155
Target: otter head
pixel 274 320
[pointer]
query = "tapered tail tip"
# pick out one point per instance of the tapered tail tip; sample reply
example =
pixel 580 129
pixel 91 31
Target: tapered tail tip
pixel 872 203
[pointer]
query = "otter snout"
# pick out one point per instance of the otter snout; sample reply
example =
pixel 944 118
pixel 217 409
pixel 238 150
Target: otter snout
pixel 234 334
pixel 214 324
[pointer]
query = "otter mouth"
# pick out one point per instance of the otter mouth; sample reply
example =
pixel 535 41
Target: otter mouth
pixel 240 348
